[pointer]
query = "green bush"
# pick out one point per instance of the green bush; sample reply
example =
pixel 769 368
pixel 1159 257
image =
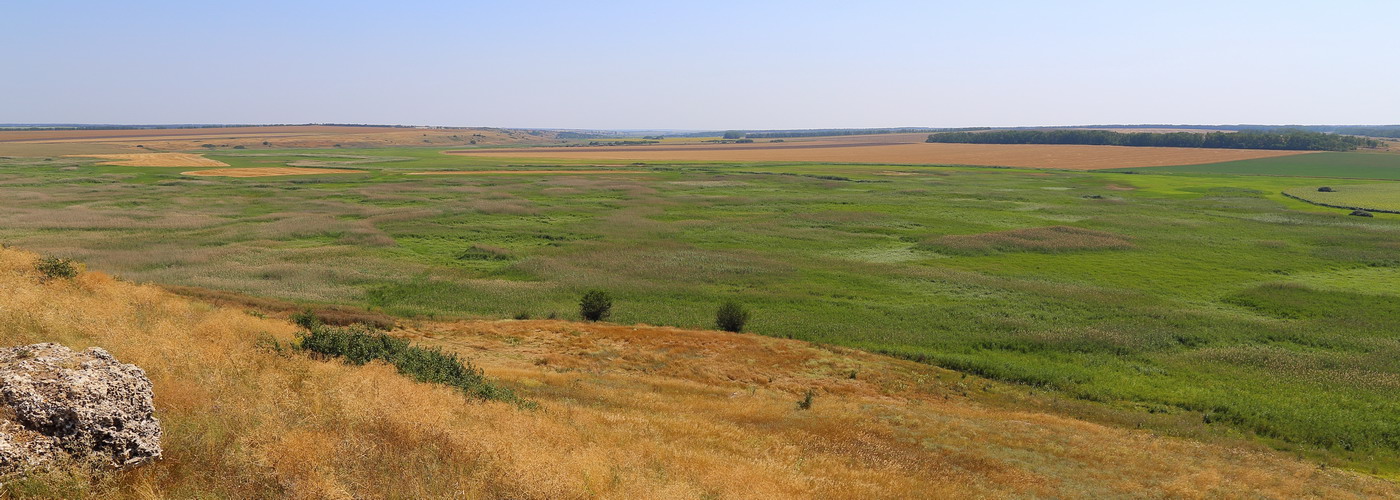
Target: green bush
pixel 307 319
pixel 359 345
pixel 731 317
pixel 596 305
pixel 56 268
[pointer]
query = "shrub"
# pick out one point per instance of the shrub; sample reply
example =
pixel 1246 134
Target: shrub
pixel 731 317
pixel 596 305
pixel 1361 213
pixel 522 315
pixel 1325 189
pixel 56 268
pixel 307 319
pixel 359 345
pixel 806 402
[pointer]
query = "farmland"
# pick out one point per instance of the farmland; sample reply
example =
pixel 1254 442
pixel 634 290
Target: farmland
pixel 1204 305
pixel 894 149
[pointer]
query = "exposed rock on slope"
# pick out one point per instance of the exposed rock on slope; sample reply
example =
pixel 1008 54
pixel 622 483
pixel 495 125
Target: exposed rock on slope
pixel 55 401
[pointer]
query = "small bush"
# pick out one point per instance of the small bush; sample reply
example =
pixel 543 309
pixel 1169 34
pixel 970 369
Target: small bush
pixel 56 268
pixel 731 317
pixel 596 305
pixel 806 402
pixel 1325 189
pixel 522 315
pixel 1361 213
pixel 359 345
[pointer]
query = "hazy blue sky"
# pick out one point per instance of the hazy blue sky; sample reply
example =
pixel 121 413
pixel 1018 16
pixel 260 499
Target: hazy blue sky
pixel 699 65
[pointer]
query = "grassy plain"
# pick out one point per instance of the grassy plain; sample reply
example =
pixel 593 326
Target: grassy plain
pixel 1184 297
pixel 624 412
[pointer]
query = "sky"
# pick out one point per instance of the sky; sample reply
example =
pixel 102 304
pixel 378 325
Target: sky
pixel 701 65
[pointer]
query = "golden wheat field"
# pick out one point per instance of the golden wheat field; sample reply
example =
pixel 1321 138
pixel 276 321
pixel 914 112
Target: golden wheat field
pixel 876 149
pixel 156 160
pixel 624 412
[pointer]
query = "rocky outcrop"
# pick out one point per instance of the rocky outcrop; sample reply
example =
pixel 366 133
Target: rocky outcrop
pixel 56 403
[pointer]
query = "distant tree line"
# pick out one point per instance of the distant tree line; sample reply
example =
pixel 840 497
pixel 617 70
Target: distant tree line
pixel 1282 139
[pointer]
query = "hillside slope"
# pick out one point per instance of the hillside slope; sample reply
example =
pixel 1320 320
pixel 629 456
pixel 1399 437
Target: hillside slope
pixel 640 412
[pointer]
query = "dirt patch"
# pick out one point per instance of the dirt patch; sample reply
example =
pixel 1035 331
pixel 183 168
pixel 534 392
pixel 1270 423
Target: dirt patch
pixel 157 160
pixel 1116 187
pixel 1053 239
pixel 1072 157
pixel 268 172
pixel 525 172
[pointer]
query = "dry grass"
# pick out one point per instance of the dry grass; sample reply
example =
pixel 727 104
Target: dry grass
pixel 626 412
pixel 889 150
pixel 157 160
pixel 1039 239
pixel 268 172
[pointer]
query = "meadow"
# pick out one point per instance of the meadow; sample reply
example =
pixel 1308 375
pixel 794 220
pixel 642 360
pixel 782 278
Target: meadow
pixel 1210 298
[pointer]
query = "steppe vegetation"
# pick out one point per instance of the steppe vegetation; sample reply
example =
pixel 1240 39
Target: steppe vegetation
pixel 624 412
pixel 1180 298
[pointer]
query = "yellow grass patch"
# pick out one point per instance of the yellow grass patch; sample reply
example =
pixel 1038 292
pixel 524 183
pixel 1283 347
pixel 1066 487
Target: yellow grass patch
pixel 524 172
pixel 268 171
pixel 157 160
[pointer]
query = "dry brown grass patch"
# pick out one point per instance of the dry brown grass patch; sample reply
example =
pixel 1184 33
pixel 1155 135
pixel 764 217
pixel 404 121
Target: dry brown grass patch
pixel 157 160
pixel 1053 239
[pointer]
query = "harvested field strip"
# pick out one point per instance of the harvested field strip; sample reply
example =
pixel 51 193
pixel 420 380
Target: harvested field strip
pixel 269 172
pixel 526 172
pixel 1051 239
pixel 1072 157
pixel 156 160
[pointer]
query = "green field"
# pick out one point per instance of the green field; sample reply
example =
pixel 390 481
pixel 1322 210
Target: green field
pixel 1381 197
pixel 1208 296
pixel 1351 165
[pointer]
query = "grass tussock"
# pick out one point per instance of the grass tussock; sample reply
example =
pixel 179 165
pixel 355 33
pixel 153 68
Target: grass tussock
pixel 1053 239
